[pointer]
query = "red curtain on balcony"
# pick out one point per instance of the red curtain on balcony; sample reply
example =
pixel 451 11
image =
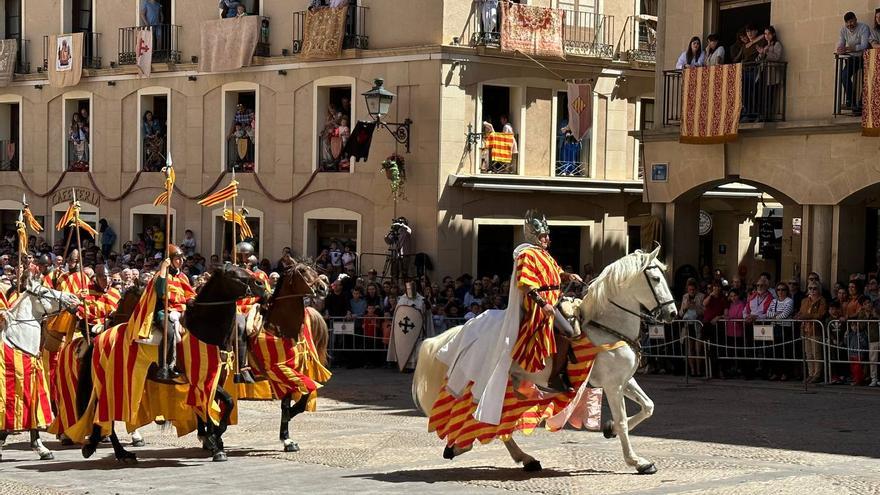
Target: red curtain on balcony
pixel 871 98
pixel 711 103
pixel 535 31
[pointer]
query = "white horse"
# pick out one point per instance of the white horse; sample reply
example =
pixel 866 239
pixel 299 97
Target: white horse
pixel 610 312
pixel 21 329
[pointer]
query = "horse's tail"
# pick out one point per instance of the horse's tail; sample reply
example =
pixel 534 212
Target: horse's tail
pixel 84 383
pixel 320 333
pixel 430 371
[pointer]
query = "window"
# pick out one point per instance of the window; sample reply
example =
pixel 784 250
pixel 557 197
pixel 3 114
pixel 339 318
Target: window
pixel 241 107
pixel 645 114
pixel 10 132
pixel 334 127
pixel 223 233
pixel 646 117
pixel 153 127
pixel 499 121
pixel 495 244
pixel 78 16
pixel 12 31
pixel 324 226
pixel 148 226
pixel 572 155
pixel 77 133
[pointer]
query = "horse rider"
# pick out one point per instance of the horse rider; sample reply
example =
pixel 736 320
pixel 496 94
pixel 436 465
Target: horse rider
pixel 248 261
pixel 538 277
pixel 72 280
pixel 172 280
pixel 101 300
pixel 48 274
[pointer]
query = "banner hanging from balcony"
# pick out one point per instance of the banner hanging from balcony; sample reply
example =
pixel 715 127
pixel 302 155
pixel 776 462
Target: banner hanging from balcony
pixel 228 44
pixel 65 59
pixel 144 51
pixel 580 110
pixel 711 104
pixel 871 98
pixel 8 51
pixel 323 33
pixel 535 31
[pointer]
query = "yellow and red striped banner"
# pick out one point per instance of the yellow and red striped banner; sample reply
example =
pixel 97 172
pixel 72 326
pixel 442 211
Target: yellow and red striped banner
pixel 24 393
pixel 711 102
pixel 501 146
pixel 88 228
pixel 225 194
pixel 170 177
pixel 31 221
pixel 66 218
pixel 240 220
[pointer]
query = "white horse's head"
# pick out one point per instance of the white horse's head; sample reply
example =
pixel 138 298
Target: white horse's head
pixel 639 276
pixel 46 301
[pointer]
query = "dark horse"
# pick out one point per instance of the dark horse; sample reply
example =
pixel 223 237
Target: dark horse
pixel 211 320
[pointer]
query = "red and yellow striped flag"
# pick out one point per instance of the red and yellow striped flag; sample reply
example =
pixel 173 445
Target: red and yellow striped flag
pixel 225 194
pixel 170 177
pixel 88 228
pixel 66 218
pixel 31 221
pixel 240 220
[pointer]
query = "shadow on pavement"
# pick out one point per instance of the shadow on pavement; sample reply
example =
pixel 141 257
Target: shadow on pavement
pixel 104 464
pixel 481 473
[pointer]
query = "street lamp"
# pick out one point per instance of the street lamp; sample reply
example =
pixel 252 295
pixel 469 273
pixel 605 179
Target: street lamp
pixel 378 102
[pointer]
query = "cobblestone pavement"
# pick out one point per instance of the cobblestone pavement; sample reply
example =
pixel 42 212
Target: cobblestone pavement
pixel 707 437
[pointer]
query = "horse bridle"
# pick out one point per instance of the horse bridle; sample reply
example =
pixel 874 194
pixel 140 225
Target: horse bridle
pixel 310 283
pixel 650 316
pixel 247 293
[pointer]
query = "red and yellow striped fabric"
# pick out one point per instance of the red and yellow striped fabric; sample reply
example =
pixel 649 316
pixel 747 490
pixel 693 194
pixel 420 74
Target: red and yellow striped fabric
pixel 179 292
pixel 501 146
pixel 535 268
pixel 48 280
pixel 453 419
pixel 98 304
pixel 289 366
pixel 243 305
pixel 202 365
pixel 6 302
pixel 140 324
pixel 73 282
pixel 50 366
pixel 225 194
pixel 63 383
pixel 24 394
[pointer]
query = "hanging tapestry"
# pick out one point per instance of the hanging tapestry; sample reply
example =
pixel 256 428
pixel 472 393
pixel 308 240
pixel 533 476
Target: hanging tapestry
pixel 871 96
pixel 711 101
pixel 228 44
pixel 65 59
pixel 323 32
pixel 535 31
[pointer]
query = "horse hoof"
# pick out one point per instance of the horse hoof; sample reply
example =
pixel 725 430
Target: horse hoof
pixel 449 453
pixel 88 450
pixel 66 442
pixel 219 457
pixel 291 447
pixel 127 458
pixel 138 443
pixel 532 466
pixel 608 429
pixel 47 456
pixel 647 469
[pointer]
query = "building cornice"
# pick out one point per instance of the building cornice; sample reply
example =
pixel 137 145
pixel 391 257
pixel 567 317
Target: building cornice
pixel 560 185
pixel 840 125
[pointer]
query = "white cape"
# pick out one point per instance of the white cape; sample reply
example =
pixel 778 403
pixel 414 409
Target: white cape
pixel 482 353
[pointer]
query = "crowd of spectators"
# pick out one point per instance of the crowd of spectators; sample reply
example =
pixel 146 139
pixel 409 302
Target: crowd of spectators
pixel 728 310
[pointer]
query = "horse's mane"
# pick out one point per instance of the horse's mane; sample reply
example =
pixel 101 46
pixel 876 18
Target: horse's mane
pixel 614 278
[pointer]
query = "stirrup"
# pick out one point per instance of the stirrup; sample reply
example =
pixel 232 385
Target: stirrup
pixel 558 384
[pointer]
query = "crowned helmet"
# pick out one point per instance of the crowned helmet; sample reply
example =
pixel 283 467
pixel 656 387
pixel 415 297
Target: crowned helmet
pixel 535 225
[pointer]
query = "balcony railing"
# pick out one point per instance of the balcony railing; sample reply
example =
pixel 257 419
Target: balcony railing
pixel 572 157
pixel 154 152
pixel 583 33
pixel 8 155
pixel 848 84
pixel 763 93
pixel 355 29
pixel 589 34
pixel 638 40
pixel 165 45
pixel 22 61
pixel 240 154
pixel 78 156
pixel 484 155
pixel 331 157
pixel 91 52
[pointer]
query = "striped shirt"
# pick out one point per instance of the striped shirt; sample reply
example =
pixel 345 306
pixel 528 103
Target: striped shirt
pixel 781 309
pixel 98 304
pixel 536 268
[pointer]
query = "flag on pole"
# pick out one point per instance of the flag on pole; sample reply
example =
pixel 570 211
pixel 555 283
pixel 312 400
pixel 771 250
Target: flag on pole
pixel 144 53
pixel 22 233
pixel 580 109
pixel 66 218
pixel 240 220
pixel 225 194
pixel 29 217
pixel 170 177
pixel 88 228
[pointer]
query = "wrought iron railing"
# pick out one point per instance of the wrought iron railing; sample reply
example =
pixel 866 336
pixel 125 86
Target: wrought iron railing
pixel 848 84
pixel 165 44
pixel 587 33
pixel 638 39
pixel 154 151
pixel 90 53
pixel 8 155
pixel 763 93
pixel 240 154
pixel 22 59
pixel 488 164
pixel 355 29
pixel 572 157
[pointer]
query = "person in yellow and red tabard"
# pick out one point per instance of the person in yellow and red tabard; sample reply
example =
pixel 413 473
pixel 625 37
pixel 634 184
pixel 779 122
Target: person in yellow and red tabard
pixel 72 280
pixel 538 277
pixel 179 293
pixel 247 260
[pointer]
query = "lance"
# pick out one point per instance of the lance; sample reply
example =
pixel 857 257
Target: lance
pixel 18 267
pixel 79 264
pixel 168 172
pixel 237 377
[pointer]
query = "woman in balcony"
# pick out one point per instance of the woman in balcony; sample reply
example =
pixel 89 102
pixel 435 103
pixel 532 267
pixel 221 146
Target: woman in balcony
pixel 772 72
pixel 79 139
pixel 714 51
pixel 154 146
pixel 693 56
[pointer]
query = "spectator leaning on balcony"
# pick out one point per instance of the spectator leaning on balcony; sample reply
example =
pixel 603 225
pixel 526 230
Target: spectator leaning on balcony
pixel 692 56
pixel 855 38
pixel 714 51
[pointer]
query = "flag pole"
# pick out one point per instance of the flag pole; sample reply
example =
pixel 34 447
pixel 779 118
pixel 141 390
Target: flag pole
pixel 237 376
pixel 79 263
pixel 168 254
pixel 18 267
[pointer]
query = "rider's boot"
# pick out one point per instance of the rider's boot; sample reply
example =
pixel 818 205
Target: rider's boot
pixel 244 370
pixel 559 383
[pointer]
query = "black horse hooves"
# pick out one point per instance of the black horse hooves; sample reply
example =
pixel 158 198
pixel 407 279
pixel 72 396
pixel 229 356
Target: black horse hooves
pixel 608 429
pixel 647 469
pixel 127 458
pixel 532 466
pixel 291 447
pixel 88 450
pixel 449 453
pixel 219 457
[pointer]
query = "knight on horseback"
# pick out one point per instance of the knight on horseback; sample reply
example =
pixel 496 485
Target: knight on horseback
pixel 247 260
pixel 172 280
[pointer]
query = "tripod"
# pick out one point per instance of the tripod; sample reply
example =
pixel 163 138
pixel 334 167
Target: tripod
pixel 393 264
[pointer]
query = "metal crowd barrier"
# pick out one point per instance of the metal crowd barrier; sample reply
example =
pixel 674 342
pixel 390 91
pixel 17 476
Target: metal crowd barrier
pixel 850 350
pixel 372 334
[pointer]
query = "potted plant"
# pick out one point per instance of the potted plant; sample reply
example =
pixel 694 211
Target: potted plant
pixel 395 170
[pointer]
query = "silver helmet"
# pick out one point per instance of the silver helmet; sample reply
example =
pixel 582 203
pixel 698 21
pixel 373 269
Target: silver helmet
pixel 244 248
pixel 535 225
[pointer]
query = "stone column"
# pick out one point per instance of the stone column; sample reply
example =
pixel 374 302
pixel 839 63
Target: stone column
pixel 819 239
